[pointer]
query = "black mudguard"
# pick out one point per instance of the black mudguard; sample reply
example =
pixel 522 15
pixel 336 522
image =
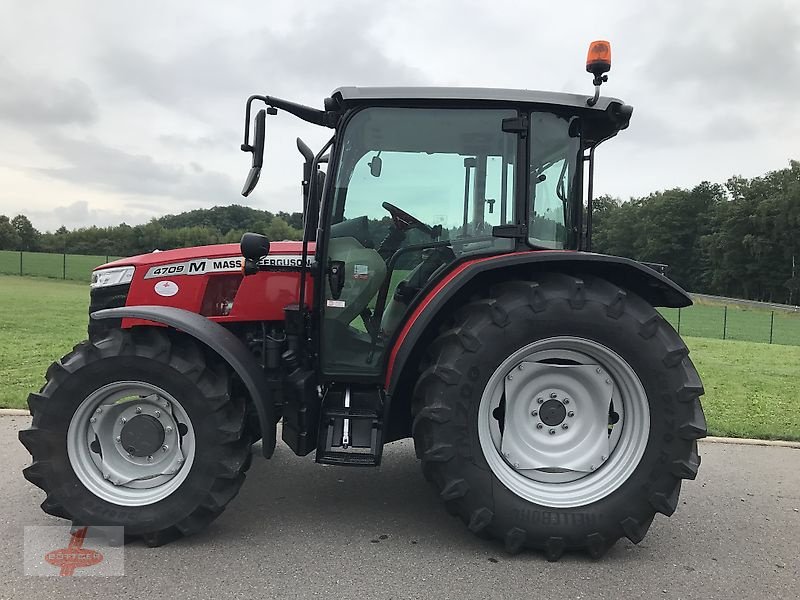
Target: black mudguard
pixel 221 341
pixel 628 274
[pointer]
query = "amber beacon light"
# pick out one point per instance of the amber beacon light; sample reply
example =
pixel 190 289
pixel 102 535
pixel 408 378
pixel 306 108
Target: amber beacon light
pixel 598 62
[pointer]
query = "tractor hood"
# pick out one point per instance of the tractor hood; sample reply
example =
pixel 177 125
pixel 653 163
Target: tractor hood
pixel 278 251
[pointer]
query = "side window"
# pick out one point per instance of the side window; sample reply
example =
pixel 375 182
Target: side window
pixel 548 221
pixel 555 148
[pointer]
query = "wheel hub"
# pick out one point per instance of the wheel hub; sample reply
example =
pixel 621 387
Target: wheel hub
pixel 536 439
pixel 552 413
pixel 143 435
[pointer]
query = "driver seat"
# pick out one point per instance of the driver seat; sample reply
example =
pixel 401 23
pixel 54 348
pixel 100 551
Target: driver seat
pixel 364 272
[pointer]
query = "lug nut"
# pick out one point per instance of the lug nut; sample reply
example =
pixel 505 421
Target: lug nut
pixel 165 447
pixel 540 400
pixel 603 457
pixel 180 461
pixel 123 420
pixel 566 400
pixel 521 366
pixel 92 420
pixel 118 439
pixel 534 413
pixel 552 432
pixel 168 429
pixel 599 370
pixel 158 414
pixel 553 395
pixel 539 426
pixel 138 410
pixel 516 465
pixel 608 381
pixel 571 413
pixel 149 459
pixel 564 426
pixel 99 410
pixel 591 467
pixel 510 377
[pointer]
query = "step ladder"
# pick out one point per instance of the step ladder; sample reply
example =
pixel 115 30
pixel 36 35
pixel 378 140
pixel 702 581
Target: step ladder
pixel 351 427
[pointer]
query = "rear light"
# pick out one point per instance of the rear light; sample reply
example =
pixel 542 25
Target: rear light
pixel 220 294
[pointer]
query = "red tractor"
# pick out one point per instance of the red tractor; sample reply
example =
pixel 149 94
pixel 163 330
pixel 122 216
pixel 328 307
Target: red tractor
pixel 444 290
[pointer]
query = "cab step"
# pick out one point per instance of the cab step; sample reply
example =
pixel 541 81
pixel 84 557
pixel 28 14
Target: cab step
pixel 351 427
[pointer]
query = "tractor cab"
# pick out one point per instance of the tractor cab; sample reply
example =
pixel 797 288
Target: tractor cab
pixel 421 179
pixel 418 182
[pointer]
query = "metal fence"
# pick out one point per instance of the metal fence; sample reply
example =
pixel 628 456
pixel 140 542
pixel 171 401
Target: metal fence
pixel 733 322
pixel 77 267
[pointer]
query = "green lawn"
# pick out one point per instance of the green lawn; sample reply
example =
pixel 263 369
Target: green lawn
pixel 751 388
pixel 40 321
pixel 40 264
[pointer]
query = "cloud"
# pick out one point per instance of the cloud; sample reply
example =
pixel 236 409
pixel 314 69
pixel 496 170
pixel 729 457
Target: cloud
pixel 202 142
pixel 27 99
pixel 93 163
pixel 321 50
pixel 723 53
pixel 82 214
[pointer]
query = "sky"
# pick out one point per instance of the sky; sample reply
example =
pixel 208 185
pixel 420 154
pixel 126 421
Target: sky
pixel 118 112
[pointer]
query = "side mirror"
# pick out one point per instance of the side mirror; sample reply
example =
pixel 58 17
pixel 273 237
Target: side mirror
pixel 375 165
pixel 257 149
pixel 254 246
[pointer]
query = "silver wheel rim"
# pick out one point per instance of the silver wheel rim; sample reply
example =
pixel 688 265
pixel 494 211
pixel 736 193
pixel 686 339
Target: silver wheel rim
pixel 95 444
pixel 605 436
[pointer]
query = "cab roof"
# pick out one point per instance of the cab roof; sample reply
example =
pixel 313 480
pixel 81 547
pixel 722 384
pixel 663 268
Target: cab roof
pixel 372 94
pixel 603 120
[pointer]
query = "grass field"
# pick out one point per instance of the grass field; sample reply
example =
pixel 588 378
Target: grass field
pixel 751 388
pixel 40 264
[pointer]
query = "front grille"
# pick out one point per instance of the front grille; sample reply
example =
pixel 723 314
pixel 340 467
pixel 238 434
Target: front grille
pixel 112 296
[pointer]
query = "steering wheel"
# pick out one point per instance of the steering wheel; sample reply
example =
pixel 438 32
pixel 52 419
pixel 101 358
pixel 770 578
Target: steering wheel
pixel 404 221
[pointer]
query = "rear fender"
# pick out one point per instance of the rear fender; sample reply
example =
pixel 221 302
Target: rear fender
pixel 628 274
pixel 221 341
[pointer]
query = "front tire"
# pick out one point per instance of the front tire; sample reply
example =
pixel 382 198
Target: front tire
pixel 138 430
pixel 559 414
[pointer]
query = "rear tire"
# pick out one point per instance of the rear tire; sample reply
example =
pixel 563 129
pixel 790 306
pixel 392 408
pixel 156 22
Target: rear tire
pixel 201 429
pixel 532 508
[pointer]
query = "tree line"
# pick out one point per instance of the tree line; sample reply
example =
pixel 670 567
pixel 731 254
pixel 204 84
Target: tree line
pixel 739 239
pixel 194 228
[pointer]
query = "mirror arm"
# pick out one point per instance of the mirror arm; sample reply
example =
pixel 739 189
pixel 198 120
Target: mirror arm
pixel 307 113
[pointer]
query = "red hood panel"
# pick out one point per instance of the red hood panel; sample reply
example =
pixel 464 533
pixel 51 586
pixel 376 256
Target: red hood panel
pixel 215 251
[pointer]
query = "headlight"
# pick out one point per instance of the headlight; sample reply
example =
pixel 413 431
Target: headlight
pixel 114 276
